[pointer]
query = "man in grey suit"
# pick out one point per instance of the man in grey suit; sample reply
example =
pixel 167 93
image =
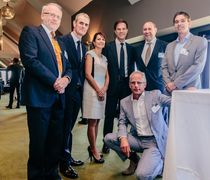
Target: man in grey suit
pixel 148 133
pixel 184 58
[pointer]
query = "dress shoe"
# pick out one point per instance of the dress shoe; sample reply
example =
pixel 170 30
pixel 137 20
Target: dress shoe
pixel 105 149
pixel 130 170
pixel 83 121
pixel 76 162
pixel 92 157
pixel 68 171
pixel 9 107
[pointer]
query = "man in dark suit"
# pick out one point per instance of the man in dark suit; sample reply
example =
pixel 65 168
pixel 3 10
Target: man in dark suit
pixel 47 73
pixel 76 53
pixel 150 62
pixel 15 81
pixel 120 56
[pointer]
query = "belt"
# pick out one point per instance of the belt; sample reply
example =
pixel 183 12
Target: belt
pixel 146 137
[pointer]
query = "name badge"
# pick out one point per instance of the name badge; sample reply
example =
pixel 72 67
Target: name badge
pixel 184 52
pixel 155 108
pixel 161 55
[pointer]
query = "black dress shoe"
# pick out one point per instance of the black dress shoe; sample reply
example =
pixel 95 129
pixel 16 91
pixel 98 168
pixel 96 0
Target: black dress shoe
pixel 76 162
pixel 9 107
pixel 83 121
pixel 68 171
pixel 105 149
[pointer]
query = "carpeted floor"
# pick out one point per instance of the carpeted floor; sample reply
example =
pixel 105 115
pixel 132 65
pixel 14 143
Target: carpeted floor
pixel 14 149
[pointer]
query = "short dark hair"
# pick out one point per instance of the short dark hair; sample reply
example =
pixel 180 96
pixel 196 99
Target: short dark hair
pixel 120 21
pixel 95 36
pixel 181 13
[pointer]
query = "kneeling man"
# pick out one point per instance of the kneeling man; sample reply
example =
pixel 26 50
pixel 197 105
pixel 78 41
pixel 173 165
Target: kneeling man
pixel 148 131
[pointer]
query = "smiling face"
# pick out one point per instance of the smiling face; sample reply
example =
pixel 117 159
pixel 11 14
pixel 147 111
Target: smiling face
pixel 99 41
pixel 149 31
pixel 182 24
pixel 121 31
pixel 51 16
pixel 81 25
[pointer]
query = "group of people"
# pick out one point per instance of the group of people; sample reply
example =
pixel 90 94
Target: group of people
pixel 111 80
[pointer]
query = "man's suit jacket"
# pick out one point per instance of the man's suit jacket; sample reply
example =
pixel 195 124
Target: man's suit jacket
pixel 156 120
pixel 110 52
pixel 190 63
pixel 77 66
pixel 41 70
pixel 153 70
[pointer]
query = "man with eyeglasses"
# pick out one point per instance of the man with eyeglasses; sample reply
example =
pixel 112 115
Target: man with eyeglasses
pixel 47 73
pixel 142 110
pixel 76 53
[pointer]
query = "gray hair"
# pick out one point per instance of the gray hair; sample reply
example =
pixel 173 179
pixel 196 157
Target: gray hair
pixel 53 4
pixel 81 14
pixel 140 73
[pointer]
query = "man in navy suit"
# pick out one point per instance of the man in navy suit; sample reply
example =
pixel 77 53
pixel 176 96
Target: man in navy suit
pixel 76 53
pixel 47 74
pixel 120 56
pixel 151 66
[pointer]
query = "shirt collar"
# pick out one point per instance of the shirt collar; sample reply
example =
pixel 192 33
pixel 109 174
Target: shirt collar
pixel 152 42
pixel 47 31
pixel 118 42
pixel 140 98
pixel 186 38
pixel 75 38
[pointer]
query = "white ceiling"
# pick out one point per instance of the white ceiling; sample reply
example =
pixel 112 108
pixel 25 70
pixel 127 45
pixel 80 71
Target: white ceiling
pixel 28 13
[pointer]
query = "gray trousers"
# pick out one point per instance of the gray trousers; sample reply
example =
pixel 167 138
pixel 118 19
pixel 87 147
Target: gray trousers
pixel 150 164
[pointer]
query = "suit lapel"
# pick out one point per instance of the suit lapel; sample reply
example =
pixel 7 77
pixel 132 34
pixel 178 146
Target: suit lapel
pixel 139 51
pixel 148 105
pixel 46 40
pixel 114 53
pixel 186 46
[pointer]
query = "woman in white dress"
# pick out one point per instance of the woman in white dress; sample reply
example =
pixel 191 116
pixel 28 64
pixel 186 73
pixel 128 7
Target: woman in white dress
pixel 94 94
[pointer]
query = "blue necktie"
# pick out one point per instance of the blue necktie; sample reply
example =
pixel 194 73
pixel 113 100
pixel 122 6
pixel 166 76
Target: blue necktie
pixel 79 51
pixel 122 61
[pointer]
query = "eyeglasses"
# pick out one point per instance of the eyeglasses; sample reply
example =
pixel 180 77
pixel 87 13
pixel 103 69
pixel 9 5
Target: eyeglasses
pixel 52 15
pixel 137 82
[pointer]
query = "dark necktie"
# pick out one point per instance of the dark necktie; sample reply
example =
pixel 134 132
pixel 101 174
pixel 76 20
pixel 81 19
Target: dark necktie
pixel 148 54
pixel 122 61
pixel 79 51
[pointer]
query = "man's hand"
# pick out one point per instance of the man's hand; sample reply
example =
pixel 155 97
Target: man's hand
pixel 170 86
pixel 124 146
pixel 60 84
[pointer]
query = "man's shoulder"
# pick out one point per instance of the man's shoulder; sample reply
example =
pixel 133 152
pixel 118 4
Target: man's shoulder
pixel 155 92
pixel 126 99
pixel 66 36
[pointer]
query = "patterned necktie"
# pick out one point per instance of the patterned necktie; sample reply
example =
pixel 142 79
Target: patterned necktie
pixel 122 61
pixel 79 51
pixel 57 51
pixel 148 54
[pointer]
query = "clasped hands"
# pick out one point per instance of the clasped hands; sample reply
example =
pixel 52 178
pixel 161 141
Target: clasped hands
pixel 60 84
pixel 101 93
